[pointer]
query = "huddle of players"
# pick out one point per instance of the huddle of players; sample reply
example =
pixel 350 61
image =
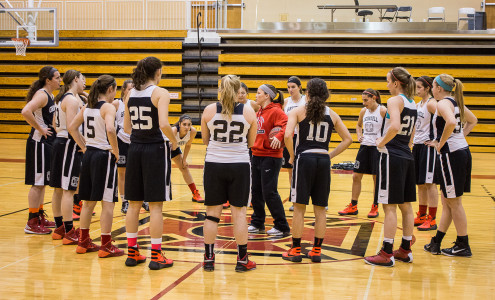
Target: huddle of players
pixel 229 129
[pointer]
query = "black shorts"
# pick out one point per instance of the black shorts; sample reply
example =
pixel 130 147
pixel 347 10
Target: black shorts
pixel 227 182
pixel 425 158
pixel 285 160
pixel 98 181
pixel 123 149
pixel 37 168
pixel 175 152
pixel 66 164
pixel 366 160
pixel 148 172
pixel 311 178
pixel 455 173
pixel 395 180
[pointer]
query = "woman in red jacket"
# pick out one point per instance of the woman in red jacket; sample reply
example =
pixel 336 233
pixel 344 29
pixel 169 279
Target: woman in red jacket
pixel 267 161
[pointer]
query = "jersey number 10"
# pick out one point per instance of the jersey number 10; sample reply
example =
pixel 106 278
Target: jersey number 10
pixel 322 127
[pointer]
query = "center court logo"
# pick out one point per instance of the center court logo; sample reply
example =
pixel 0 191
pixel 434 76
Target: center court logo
pixel 346 237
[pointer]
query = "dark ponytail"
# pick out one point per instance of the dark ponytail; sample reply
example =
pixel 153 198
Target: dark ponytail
pixel 69 76
pixel 318 94
pixel 145 70
pixel 45 73
pixel 100 86
pixel 372 92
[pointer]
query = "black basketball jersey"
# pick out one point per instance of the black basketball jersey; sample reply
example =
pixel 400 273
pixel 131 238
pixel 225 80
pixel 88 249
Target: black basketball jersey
pixel 456 140
pixel 313 137
pixel 399 145
pixel 44 117
pixel 144 117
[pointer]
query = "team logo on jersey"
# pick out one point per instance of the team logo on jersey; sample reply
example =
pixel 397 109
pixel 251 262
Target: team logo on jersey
pixel 122 159
pixel 368 127
pixel 346 238
pixel 261 120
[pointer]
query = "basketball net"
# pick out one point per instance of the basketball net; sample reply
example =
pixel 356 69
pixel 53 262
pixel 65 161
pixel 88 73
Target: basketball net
pixel 20 45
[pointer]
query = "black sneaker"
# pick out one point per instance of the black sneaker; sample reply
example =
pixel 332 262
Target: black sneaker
pixel 209 263
pixel 146 206
pixel 433 247
pixel 245 264
pixel 459 249
pixel 125 207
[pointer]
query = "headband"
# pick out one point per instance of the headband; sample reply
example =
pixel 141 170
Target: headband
pixel 424 80
pixel 397 79
pixel 267 90
pixel 366 92
pixel 294 80
pixel 445 86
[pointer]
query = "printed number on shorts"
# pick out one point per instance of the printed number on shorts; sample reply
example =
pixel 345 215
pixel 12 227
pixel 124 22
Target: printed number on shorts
pixel 407 125
pixel 225 132
pixel 139 119
pixel 321 128
pixel 90 127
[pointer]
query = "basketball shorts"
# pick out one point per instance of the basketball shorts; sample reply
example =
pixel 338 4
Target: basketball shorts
pixel 98 181
pixel 227 182
pixel 65 164
pixel 286 157
pixel 123 149
pixel 395 180
pixel 148 172
pixel 176 152
pixel 455 173
pixel 366 160
pixel 37 168
pixel 425 164
pixel 311 178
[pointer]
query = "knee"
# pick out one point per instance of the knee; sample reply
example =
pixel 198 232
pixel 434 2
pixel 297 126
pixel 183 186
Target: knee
pixel 356 177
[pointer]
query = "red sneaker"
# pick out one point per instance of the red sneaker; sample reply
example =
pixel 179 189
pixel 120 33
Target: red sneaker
pixel 197 197
pixel 109 250
pixel 373 212
pixel 226 205
pixel 349 210
pixel 420 219
pixel 314 254
pixel 158 261
pixel 245 264
pixel 293 255
pixel 134 257
pixel 59 233
pixel 403 255
pixel 429 224
pixel 75 217
pixel 86 246
pixel 44 221
pixel 71 237
pixel 33 226
pixel 381 259
pixel 76 208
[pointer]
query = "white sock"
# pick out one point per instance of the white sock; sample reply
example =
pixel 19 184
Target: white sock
pixel 387 240
pixel 131 235
pixel 407 238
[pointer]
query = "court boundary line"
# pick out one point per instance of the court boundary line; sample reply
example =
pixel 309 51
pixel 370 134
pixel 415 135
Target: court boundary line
pixel 370 278
pixel 177 282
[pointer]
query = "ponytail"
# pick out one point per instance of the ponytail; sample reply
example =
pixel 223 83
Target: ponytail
pixel 405 80
pixel 68 78
pixel 144 71
pixel 100 86
pixel 455 87
pixel 372 92
pixel 275 95
pixel 45 73
pixel 427 82
pixel 318 94
pixel 229 87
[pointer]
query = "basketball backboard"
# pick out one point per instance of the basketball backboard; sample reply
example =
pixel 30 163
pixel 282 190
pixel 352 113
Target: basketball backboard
pixel 39 25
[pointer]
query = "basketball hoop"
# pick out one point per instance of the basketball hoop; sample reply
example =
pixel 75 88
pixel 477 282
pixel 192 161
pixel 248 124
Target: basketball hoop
pixel 20 45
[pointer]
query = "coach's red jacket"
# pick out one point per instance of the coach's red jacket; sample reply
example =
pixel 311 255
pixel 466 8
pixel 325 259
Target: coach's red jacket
pixel 270 116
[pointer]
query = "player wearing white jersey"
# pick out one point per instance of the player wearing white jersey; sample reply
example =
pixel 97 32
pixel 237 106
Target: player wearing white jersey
pixel 228 130
pixel 98 180
pixel 368 129
pixel 453 121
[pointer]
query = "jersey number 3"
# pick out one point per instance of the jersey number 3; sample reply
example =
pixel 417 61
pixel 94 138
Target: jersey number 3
pixel 225 132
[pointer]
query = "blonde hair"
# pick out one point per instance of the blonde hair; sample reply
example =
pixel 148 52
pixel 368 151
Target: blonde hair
pixel 229 87
pixel 457 91
pixel 405 79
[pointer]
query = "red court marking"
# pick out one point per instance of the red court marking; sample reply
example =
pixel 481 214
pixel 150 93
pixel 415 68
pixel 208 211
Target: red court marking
pixel 483 176
pixel 177 282
pixel 17 160
pixel 286 199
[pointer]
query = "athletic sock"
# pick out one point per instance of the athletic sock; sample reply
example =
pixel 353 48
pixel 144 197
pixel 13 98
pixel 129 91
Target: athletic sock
pixel 318 242
pixel 105 238
pixel 131 239
pixel 296 242
pixel 58 221
pixel 406 242
pixel 156 244
pixel 242 251
pixel 354 202
pixel 68 226
pixel 84 234
pixel 439 236
pixel 463 239
pixel 209 250
pixel 76 199
pixel 192 187
pixel 375 201
pixel 432 211
pixel 388 245
pixel 33 213
pixel 422 210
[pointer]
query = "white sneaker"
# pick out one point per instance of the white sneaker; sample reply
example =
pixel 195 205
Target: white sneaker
pixel 252 229
pixel 274 231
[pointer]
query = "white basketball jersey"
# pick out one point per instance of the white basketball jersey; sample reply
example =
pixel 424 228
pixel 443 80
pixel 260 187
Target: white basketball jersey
pixel 228 138
pixel 372 126
pixel 119 119
pixel 95 131
pixel 290 105
pixel 61 120
pixel 424 126
pixel 182 141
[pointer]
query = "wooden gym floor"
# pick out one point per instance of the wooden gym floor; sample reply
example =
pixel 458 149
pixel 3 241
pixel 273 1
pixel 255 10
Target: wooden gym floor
pixel 36 266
